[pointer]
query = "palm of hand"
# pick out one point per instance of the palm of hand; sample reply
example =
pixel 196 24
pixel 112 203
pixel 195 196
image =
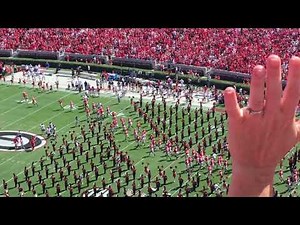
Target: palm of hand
pixel 261 140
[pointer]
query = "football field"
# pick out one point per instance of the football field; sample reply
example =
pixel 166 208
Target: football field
pixel 16 115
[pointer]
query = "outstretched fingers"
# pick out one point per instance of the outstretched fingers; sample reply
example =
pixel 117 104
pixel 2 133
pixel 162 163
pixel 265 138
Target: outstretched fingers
pixel 231 104
pixel 291 93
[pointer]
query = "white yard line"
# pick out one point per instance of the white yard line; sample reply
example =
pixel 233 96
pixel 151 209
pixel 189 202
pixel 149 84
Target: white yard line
pixel 179 157
pixel 16 154
pixel 9 96
pixel 35 111
pixel 57 131
pixel 81 118
pixel 29 130
pixel 19 105
pixel 56 115
pixel 129 93
pixel 121 149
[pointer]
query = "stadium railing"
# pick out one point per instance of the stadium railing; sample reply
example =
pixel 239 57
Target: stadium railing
pixel 6 53
pixel 20 53
pixel 135 63
pixel 229 75
pixel 185 68
pixel 82 58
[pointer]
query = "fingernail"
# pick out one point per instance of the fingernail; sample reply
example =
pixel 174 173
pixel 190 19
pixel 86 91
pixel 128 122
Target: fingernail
pixel 259 71
pixel 258 67
pixel 229 90
pixel 274 61
pixel 295 58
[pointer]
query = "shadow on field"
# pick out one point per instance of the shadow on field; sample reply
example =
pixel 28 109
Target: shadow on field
pixel 163 160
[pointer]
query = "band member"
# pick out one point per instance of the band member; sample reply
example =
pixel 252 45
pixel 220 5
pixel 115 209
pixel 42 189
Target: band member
pixel 180 180
pixel 209 127
pixel 26 173
pixel 223 128
pixel 142 181
pixel 4 183
pixel 15 178
pixel 57 189
pixel 53 180
pixel 43 186
pixel 127 178
pixel 79 186
pixel 215 122
pixel 103 183
pixel 32 143
pixel 71 190
pixel 16 142
pixel 207 115
pixel 133 187
pixel 118 185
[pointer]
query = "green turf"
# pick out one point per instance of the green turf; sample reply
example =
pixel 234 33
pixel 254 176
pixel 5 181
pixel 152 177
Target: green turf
pixel 17 116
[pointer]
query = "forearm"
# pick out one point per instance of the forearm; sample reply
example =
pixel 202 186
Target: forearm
pixel 251 182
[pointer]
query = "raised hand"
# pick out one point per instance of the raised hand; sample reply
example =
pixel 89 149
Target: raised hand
pixel 262 133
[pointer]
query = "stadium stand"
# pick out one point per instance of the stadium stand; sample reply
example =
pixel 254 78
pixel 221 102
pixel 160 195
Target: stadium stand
pixel 227 49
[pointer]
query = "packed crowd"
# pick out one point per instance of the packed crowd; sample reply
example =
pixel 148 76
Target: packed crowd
pixel 232 49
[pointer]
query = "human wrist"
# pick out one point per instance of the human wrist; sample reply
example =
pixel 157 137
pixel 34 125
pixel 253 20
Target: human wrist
pixel 251 181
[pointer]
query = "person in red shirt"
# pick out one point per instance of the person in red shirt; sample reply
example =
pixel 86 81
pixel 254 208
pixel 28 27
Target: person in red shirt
pixel 281 175
pixel 33 142
pixel 16 142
